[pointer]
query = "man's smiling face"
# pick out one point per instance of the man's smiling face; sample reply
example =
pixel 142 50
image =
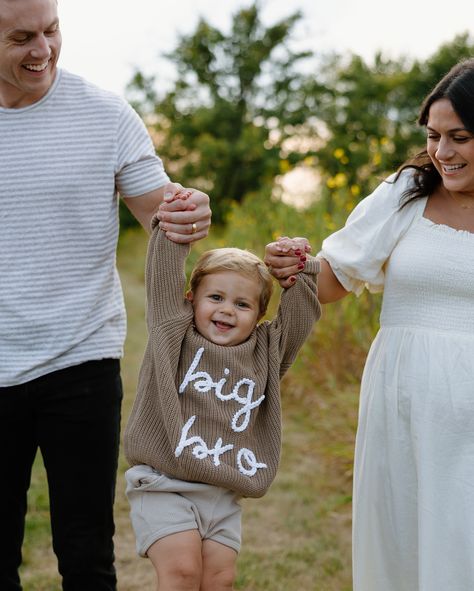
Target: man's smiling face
pixel 30 43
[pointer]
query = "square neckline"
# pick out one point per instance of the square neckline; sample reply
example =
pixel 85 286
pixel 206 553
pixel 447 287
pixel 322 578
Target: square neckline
pixel 449 229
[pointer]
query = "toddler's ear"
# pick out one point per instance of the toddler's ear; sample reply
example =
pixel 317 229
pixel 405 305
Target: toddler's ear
pixel 189 296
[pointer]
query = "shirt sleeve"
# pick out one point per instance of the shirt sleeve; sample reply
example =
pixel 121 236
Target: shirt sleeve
pixel 358 252
pixel 138 168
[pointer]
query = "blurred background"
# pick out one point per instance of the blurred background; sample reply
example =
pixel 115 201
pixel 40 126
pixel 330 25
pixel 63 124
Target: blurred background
pixel 105 40
pixel 286 114
pixel 246 98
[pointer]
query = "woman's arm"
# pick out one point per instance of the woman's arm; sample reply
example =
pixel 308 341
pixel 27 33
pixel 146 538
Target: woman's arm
pixel 329 287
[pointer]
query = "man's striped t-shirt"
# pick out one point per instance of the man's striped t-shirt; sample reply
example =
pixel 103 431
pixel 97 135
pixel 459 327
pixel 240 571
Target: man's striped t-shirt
pixel 63 162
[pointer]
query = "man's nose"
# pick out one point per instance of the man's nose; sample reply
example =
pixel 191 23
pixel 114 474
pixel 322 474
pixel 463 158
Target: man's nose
pixel 41 48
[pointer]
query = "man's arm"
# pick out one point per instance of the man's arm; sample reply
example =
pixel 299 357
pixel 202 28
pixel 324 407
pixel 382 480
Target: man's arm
pixel 183 221
pixel 144 206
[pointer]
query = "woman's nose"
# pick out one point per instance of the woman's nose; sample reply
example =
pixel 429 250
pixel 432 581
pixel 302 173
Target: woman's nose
pixel 445 151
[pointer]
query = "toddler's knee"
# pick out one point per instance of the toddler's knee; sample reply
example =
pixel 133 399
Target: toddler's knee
pixel 219 579
pixel 182 575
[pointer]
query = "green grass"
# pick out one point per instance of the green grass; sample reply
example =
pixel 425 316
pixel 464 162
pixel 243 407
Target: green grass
pixel 295 538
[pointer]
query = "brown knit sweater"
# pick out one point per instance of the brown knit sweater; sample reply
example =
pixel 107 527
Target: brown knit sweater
pixel 206 412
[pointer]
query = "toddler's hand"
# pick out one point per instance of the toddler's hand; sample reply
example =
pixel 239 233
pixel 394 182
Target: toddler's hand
pixel 297 246
pixel 174 192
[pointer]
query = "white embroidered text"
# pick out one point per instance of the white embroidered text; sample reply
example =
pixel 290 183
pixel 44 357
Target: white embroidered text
pixel 242 392
pixel 202 451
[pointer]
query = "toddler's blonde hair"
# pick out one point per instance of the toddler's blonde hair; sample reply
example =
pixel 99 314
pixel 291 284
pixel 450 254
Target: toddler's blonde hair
pixel 239 261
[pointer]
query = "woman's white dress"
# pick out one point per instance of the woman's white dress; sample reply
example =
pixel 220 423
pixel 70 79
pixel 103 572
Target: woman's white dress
pixel 414 461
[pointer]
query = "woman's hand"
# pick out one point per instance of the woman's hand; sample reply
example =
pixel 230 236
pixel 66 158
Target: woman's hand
pixel 285 258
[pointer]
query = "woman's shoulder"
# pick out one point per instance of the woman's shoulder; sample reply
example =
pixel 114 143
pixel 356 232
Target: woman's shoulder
pixel 392 188
pixel 388 198
pixel 357 253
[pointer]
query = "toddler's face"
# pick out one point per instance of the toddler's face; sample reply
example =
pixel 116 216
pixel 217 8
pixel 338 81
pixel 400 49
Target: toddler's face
pixel 226 307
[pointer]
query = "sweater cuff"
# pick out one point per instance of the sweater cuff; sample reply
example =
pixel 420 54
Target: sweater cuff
pixel 154 222
pixel 312 266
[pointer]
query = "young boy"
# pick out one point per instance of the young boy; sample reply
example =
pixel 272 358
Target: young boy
pixel 205 428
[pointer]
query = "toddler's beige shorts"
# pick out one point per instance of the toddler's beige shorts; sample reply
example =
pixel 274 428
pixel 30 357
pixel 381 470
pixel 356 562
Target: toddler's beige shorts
pixel 160 506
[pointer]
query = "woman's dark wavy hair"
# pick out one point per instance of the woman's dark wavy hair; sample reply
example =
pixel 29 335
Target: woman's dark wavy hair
pixel 458 87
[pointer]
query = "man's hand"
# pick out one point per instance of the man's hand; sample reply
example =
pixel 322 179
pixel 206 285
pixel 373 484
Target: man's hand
pixel 184 214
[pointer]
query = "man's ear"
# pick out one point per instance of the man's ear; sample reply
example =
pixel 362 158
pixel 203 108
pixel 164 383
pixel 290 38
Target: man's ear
pixel 189 296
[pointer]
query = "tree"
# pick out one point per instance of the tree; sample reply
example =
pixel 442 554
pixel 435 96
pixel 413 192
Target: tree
pixel 370 114
pixel 237 98
pixel 241 113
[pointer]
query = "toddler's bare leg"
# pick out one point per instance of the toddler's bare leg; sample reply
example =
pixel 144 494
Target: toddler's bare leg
pixel 177 559
pixel 218 567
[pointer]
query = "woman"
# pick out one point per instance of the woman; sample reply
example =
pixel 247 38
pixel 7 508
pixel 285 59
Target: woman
pixel 413 238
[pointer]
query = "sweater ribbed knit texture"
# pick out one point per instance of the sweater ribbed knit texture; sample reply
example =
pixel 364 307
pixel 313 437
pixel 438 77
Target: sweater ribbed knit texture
pixel 224 428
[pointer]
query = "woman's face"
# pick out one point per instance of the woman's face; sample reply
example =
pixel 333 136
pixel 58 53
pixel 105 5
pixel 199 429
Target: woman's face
pixel 451 147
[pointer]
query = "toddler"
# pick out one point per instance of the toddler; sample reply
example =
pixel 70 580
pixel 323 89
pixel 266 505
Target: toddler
pixel 205 428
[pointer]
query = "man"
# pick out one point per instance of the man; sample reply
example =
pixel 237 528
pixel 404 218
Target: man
pixel 67 149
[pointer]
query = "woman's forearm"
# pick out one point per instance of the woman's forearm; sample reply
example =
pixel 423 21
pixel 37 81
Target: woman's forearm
pixel 329 287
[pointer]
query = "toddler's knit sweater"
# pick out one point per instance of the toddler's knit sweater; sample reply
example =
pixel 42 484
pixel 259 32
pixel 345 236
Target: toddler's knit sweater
pixel 207 412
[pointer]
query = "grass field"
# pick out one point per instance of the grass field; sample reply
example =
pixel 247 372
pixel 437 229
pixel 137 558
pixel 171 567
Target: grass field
pixel 295 538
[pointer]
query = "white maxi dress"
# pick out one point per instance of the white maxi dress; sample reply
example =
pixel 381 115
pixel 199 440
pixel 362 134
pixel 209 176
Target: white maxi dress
pixel 413 505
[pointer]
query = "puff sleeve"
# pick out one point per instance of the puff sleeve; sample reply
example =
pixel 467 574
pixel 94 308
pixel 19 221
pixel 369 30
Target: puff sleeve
pixel 358 252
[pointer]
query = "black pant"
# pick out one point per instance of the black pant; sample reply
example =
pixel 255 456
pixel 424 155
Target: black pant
pixel 73 416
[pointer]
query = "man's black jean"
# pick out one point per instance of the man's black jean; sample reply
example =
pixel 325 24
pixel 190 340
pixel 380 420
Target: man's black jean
pixel 73 417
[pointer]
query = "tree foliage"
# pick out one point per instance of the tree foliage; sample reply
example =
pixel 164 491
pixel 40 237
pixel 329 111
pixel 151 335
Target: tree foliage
pixel 243 111
pixel 236 98
pixel 370 112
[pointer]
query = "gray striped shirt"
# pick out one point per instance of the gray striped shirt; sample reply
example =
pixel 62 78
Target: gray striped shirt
pixel 63 161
